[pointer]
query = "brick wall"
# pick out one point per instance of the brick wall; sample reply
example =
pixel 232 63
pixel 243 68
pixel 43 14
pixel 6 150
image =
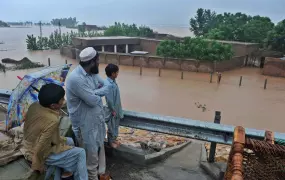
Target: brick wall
pixel 161 62
pixel 172 63
pixel 274 67
pixel 149 45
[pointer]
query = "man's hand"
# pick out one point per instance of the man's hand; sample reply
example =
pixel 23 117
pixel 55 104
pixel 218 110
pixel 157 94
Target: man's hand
pixel 34 167
pixel 114 113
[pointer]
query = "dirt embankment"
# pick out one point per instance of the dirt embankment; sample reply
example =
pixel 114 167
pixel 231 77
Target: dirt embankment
pixel 12 64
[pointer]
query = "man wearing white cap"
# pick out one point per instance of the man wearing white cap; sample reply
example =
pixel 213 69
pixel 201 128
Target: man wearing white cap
pixel 86 112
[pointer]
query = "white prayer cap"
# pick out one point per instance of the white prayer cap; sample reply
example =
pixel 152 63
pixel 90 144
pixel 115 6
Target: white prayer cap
pixel 87 54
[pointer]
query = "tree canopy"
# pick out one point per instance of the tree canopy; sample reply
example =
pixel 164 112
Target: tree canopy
pixel 69 22
pixel 196 48
pixel 276 37
pixel 121 29
pixel 3 24
pixel 238 27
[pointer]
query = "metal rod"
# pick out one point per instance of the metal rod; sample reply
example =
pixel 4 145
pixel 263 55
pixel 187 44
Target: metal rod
pixel 265 83
pixel 141 70
pixel 211 77
pixel 240 80
pixel 48 61
pixel 217 120
pixel 181 74
pixel 159 72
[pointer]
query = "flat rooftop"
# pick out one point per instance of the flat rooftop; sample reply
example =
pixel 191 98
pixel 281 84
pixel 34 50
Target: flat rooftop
pixel 105 40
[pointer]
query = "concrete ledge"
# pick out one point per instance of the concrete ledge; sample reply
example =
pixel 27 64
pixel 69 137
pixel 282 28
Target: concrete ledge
pixel 140 157
pixel 215 170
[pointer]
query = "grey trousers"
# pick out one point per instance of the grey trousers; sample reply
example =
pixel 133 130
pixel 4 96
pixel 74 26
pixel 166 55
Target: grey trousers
pixel 96 162
pixel 113 129
pixel 73 160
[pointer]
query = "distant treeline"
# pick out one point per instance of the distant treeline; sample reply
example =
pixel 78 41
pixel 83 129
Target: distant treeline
pixel 26 23
pixel 58 39
pixel 69 22
pixel 3 24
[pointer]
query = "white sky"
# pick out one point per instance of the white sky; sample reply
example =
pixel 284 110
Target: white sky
pixel 148 12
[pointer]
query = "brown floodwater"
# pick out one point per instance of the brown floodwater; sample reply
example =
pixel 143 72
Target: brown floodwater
pixel 249 105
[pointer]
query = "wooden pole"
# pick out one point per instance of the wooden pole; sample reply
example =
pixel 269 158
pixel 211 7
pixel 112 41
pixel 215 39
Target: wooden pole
pixel 212 153
pixel 265 83
pixel 240 80
pixel 48 61
pixel 141 70
pixel 211 77
pixel 181 74
pixel 236 158
pixel 159 72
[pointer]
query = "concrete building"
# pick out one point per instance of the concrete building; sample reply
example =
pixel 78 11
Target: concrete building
pixel 122 44
pixel 116 44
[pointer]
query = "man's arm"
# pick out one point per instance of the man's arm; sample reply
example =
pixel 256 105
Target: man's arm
pixel 104 91
pixel 84 92
pixel 43 144
pixel 100 79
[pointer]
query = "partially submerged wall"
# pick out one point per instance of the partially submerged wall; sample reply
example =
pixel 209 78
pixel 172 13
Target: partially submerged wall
pixel 161 62
pixel 274 67
pixel 171 63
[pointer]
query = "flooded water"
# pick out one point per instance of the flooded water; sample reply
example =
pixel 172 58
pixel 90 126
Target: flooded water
pixel 249 105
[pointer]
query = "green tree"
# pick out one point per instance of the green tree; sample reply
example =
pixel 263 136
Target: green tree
pixel 3 24
pixel 232 27
pixel 202 22
pixel 196 48
pixel 68 22
pixel 132 30
pixel 276 37
pixel 256 30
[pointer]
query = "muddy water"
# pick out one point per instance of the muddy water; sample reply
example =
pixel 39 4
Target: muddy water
pixel 249 105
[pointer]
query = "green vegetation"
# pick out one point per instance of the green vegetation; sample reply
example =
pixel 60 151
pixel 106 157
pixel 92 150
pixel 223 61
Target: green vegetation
pixel 68 22
pixel 27 23
pixel 276 37
pixel 196 48
pixel 239 27
pixel 58 39
pixel 3 24
pixel 132 30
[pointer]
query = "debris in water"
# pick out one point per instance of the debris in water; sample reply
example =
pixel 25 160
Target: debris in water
pixel 24 63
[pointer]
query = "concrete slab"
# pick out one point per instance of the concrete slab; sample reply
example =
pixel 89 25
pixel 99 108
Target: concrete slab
pixel 183 165
pixel 139 156
pixel 215 170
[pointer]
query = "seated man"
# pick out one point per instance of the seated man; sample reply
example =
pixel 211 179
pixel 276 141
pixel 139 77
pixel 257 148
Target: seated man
pixel 42 141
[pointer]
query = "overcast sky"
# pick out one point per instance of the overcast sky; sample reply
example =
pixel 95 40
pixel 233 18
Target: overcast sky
pixel 148 12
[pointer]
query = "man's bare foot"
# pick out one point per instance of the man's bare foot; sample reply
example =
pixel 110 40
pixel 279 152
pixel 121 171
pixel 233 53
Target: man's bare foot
pixel 118 142
pixel 105 177
pixel 114 145
pixel 66 174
